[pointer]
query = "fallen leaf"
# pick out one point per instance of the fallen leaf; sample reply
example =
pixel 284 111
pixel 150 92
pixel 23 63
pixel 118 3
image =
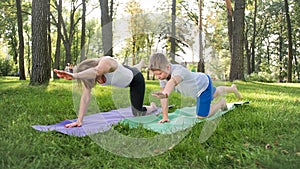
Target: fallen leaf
pixel 268 146
pixel 246 145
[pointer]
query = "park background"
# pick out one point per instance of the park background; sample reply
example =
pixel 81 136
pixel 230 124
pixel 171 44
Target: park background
pixel 252 43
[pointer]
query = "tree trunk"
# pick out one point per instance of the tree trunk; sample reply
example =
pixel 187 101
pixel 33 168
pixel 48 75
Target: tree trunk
pixel 106 25
pixel 201 64
pixel 82 43
pixel 248 54
pixel 133 51
pixel 49 38
pixel 290 44
pixel 58 40
pixel 41 61
pixel 237 57
pixel 68 33
pixel 296 63
pixel 21 41
pixel 28 53
pixel 69 40
pixel 253 38
pixel 281 74
pixel 229 24
pixel 173 33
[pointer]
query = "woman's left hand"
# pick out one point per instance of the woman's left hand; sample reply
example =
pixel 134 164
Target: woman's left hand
pixel 64 74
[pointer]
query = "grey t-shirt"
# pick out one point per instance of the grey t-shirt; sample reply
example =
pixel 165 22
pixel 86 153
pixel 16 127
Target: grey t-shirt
pixel 192 84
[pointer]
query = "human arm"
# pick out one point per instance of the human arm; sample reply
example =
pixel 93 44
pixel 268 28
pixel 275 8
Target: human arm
pixel 90 73
pixel 63 74
pixel 163 96
pixel 106 65
pixel 165 110
pixel 84 103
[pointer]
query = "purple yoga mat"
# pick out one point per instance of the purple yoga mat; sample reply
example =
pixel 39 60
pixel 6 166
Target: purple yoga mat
pixel 95 123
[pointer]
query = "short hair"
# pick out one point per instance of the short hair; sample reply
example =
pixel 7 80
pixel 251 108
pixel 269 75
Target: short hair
pixel 158 61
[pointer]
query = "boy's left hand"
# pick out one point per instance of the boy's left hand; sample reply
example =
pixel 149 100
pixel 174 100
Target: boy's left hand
pixel 164 121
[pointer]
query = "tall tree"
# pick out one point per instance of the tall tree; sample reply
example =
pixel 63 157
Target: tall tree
pixel 173 32
pixel 280 49
pixel 230 24
pixel 106 25
pixel 297 36
pixel 253 38
pixel 70 30
pixel 290 41
pixel 59 37
pixel 248 52
pixel 49 36
pixel 21 41
pixel 201 64
pixel 41 61
pixel 236 36
pixel 137 24
pixel 83 23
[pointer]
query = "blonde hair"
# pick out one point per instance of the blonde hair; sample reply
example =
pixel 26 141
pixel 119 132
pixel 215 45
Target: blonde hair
pixel 84 65
pixel 158 61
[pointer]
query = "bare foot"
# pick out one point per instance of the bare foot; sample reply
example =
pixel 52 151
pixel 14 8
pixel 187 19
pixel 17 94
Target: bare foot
pixel 153 105
pixel 140 65
pixel 223 104
pixel 236 92
pixel 151 108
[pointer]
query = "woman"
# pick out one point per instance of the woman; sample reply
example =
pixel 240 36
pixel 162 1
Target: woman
pixel 108 71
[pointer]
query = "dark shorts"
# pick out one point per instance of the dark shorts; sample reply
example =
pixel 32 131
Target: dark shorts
pixel 204 100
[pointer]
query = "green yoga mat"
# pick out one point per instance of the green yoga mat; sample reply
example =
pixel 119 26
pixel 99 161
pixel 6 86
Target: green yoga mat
pixel 180 119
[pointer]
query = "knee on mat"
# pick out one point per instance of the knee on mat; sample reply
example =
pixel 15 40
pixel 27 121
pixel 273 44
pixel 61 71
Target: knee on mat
pixel 201 117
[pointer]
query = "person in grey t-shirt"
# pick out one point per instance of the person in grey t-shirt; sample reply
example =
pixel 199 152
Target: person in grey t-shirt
pixel 108 71
pixel 195 84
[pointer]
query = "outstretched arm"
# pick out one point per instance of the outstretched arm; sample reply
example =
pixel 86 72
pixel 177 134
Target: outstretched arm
pixel 63 74
pixel 84 103
pixel 105 65
pixel 163 96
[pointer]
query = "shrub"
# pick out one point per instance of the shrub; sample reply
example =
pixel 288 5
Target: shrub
pixel 6 67
pixel 261 77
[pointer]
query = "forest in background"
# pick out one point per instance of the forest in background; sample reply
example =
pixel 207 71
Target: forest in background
pixel 231 40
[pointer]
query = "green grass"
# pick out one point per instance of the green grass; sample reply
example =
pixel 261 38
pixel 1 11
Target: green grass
pixel 263 134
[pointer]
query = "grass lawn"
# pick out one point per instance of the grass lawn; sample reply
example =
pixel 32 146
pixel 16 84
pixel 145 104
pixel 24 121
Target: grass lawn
pixel 263 134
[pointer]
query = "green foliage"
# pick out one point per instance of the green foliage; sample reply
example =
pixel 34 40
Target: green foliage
pixel 263 134
pixel 261 77
pixel 7 67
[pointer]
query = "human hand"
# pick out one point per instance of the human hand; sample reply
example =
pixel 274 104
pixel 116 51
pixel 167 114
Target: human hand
pixel 164 121
pixel 74 124
pixel 160 95
pixel 63 74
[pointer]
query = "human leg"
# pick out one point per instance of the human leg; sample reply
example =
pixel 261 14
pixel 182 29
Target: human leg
pixel 140 65
pixel 204 107
pixel 204 100
pixel 137 92
pixel 221 90
pixel 151 108
pixel 214 108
